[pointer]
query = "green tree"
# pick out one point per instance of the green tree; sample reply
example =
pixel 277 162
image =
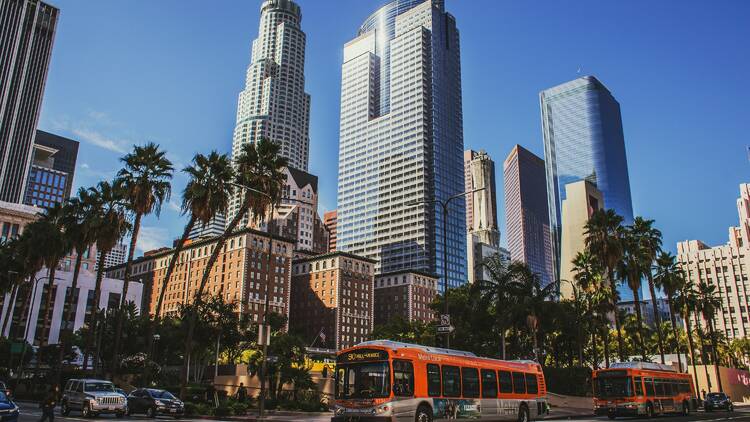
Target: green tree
pixel 671 280
pixel 631 269
pixel 145 181
pixel 495 292
pixel 531 300
pixel 401 329
pixel 649 239
pixel 708 303
pixel 685 300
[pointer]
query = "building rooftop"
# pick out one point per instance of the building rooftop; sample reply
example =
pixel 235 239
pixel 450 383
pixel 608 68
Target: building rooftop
pixel 334 254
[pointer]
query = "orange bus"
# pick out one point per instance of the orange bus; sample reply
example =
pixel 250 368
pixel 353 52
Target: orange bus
pixel 384 380
pixel 642 389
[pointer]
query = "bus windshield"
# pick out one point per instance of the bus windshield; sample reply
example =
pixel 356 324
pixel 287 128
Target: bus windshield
pixel 363 380
pixel 612 387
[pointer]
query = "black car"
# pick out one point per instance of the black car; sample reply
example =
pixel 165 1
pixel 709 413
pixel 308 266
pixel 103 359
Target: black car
pixel 4 388
pixel 716 401
pixel 8 410
pixel 154 402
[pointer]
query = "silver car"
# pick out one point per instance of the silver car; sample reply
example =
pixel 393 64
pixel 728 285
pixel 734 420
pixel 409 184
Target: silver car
pixel 92 397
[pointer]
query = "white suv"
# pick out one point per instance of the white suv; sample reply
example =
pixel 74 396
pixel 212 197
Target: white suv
pixel 92 397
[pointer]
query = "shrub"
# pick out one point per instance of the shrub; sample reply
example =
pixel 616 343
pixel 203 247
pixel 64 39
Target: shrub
pixel 222 410
pixel 197 409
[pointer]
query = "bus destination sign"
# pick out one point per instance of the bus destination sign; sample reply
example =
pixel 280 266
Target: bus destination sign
pixel 362 355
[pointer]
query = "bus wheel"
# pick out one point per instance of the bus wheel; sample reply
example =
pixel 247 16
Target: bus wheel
pixel 523 414
pixel 424 414
pixel 649 411
pixel 685 408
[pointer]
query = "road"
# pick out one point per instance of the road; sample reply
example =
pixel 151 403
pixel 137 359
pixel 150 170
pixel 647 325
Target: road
pixel 30 413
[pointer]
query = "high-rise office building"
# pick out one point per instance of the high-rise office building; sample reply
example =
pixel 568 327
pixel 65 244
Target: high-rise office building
pixel 213 228
pixel 117 256
pixel 26 38
pixel 583 140
pixel 52 170
pixel 274 104
pixel 330 220
pixel 401 141
pixel 481 206
pixel 526 212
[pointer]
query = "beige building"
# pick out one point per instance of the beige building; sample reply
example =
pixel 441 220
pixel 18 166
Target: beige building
pixel 14 217
pixel 582 199
pixel 725 267
pixel 332 299
pixel 406 293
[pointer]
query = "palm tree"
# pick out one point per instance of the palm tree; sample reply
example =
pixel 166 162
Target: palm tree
pixel 671 279
pixel 82 212
pixel 603 234
pixel 11 277
pixel 495 292
pixel 145 181
pixel 206 194
pixel 708 304
pixel 258 167
pixel 586 277
pixel 649 239
pixel 630 269
pixel 531 299
pixel 686 300
pixel 109 226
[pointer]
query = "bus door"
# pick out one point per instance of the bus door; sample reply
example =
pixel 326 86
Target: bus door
pixel 489 392
pixel 404 405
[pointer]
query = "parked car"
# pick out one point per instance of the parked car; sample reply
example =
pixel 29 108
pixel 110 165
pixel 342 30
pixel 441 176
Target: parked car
pixel 121 392
pixel 8 409
pixel 716 401
pixel 154 402
pixel 4 388
pixel 92 397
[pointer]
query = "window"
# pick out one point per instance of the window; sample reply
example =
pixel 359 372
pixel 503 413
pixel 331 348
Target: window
pixel 649 383
pixel 403 378
pixel 531 384
pixel 638 386
pixel 489 384
pixel 451 381
pixel 506 384
pixel 659 387
pixel 433 380
pixel 519 383
pixel 470 381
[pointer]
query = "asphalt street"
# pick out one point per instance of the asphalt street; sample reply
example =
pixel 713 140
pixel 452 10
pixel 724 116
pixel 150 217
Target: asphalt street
pixel 30 413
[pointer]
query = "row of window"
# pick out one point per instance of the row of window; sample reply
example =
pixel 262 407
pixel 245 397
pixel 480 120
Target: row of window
pixel 465 382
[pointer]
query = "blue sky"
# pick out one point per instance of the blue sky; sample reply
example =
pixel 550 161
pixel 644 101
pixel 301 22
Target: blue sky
pixel 127 72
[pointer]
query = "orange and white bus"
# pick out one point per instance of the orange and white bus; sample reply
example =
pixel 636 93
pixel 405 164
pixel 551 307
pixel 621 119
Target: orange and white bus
pixel 642 389
pixel 390 381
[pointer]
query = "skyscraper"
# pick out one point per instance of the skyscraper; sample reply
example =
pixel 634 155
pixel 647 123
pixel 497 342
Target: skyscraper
pixel 274 104
pixel 26 38
pixel 401 141
pixel 52 170
pixel 526 212
pixel 481 206
pixel 330 220
pixel 583 140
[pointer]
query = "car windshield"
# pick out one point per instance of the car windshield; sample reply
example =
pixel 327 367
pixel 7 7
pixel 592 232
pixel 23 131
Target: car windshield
pixel 614 387
pixel 363 380
pixel 3 397
pixel 99 387
pixel 161 394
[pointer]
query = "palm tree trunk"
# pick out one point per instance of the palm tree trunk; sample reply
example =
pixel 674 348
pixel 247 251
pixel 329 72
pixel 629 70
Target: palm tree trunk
pixel 639 317
pixel 94 322
pixel 620 344
pixel 606 345
pixel 9 312
pixel 691 345
pixel 674 330
pixel 47 307
pixel 167 275
pixel 657 317
pixel 502 342
pixel 704 361
pixel 70 300
pixel 594 354
pixel 125 285
pixel 206 273
pixel 714 355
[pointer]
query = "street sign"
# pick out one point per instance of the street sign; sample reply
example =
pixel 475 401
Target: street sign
pixel 445 329
pixel 272 359
pixel 445 319
pixel 264 335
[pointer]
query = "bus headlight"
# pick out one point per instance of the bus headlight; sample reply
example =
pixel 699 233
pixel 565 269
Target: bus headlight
pixel 382 409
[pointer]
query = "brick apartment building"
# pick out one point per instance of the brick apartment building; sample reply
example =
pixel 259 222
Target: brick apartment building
pixel 406 293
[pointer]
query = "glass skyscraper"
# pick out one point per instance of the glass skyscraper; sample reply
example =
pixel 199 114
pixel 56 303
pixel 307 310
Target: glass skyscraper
pixel 401 141
pixel 583 140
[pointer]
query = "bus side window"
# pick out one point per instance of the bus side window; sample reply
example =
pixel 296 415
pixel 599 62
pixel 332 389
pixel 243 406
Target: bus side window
pixel 519 383
pixel 638 386
pixel 433 380
pixel 403 378
pixel 470 382
pixel 649 387
pixel 506 384
pixel 684 387
pixel 451 381
pixel 659 387
pixel 532 386
pixel 489 384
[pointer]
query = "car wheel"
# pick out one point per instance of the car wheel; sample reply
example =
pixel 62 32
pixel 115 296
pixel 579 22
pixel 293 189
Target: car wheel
pixel 151 412
pixel 424 414
pixel 64 409
pixel 120 415
pixel 523 414
pixel 611 415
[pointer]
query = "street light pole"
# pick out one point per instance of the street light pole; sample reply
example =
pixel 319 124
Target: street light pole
pixel 445 205
pixel 264 363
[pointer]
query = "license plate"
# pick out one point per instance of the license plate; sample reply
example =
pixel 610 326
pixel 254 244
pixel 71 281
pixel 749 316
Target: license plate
pixel 173 410
pixel 111 408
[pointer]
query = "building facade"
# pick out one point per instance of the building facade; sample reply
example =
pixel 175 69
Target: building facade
pixel 330 220
pixel 274 104
pixel 111 292
pixel 241 274
pixel 527 212
pixel 647 311
pixel 583 140
pixel 481 206
pixel 332 299
pixel 727 268
pixel 401 141
pixel 297 215
pixel 14 217
pixel 214 228
pixel 582 199
pixel 407 294
pixel 117 256
pixel 25 49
